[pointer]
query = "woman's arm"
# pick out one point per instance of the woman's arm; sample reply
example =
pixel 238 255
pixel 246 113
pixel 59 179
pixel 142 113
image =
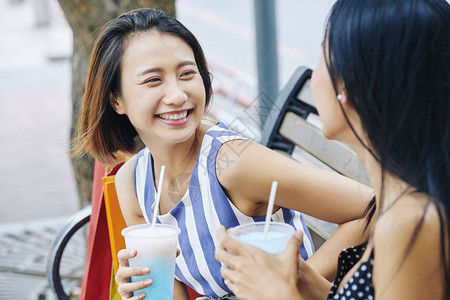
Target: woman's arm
pixel 247 178
pixel 248 172
pixel 348 234
pixel 251 273
pixel 179 291
pixel 126 194
pixel 132 214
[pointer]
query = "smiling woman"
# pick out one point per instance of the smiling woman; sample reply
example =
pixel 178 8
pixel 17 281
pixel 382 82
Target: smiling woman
pixel 101 132
pixel 148 77
pixel 160 79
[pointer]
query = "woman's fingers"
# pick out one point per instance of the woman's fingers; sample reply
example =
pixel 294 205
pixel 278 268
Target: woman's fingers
pixel 137 297
pixel 229 276
pixel 123 273
pixel 230 244
pixel 246 268
pixel 225 257
pixel 221 232
pixel 227 273
pixel 126 289
pixel 123 256
pixel 230 284
pixel 293 246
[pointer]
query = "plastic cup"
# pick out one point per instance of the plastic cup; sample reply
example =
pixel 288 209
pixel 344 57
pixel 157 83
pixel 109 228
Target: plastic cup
pixel 156 248
pixel 253 234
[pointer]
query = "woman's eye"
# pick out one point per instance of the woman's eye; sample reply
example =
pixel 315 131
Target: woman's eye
pixel 153 80
pixel 187 73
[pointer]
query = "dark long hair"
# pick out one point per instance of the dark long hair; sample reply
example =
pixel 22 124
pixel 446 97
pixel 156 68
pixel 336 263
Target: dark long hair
pixel 393 57
pixel 101 131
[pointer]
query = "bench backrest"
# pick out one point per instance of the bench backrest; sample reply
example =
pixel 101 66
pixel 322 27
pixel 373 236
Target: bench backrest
pixel 293 127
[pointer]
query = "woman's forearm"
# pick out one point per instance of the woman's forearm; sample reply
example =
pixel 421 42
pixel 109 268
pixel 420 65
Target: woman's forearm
pixel 348 234
pixel 310 284
pixel 179 291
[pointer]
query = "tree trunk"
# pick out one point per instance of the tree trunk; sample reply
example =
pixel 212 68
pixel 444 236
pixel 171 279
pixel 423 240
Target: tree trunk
pixel 85 18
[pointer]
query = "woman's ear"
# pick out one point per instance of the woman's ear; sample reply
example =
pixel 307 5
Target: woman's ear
pixel 345 103
pixel 350 112
pixel 342 94
pixel 342 97
pixel 117 103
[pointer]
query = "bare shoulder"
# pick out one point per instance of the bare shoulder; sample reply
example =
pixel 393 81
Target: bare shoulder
pixel 245 170
pixel 125 174
pixel 407 216
pixel 127 195
pixel 407 249
pixel 233 160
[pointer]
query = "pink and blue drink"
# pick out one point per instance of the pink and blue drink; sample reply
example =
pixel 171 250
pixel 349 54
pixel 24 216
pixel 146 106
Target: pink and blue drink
pixel 156 248
pixel 253 233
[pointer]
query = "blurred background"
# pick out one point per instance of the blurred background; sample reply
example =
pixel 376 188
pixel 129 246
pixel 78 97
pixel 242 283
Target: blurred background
pixel 38 191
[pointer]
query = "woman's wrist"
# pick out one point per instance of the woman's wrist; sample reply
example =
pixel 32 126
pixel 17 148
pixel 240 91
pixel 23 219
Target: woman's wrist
pixel 310 284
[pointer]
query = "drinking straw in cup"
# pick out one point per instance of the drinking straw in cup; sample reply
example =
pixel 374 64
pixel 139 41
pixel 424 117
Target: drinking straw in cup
pixel 156 248
pixel 269 236
pixel 274 241
pixel 158 196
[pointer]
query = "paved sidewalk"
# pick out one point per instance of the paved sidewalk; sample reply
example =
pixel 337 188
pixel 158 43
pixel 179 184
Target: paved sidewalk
pixel 23 259
pixel 37 189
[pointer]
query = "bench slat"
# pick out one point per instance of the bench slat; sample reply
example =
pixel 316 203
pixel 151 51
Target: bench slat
pixel 334 154
pixel 306 94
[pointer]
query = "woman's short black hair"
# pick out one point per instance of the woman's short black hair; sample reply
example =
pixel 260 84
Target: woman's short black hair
pixel 101 131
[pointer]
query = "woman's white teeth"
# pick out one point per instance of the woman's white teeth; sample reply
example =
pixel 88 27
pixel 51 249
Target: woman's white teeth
pixel 174 116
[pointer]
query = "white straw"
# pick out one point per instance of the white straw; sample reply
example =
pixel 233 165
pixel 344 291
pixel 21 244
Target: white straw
pixel 158 196
pixel 273 191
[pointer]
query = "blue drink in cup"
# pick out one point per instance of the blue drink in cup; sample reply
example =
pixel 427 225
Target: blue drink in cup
pixel 156 248
pixel 253 234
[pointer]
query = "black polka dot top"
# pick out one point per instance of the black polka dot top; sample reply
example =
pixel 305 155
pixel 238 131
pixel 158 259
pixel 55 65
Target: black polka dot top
pixel 360 284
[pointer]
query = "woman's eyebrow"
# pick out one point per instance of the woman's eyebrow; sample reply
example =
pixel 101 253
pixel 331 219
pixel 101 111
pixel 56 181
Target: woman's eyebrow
pixel 158 69
pixel 150 70
pixel 186 63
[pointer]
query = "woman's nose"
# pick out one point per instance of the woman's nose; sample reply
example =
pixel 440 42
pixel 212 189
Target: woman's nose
pixel 175 95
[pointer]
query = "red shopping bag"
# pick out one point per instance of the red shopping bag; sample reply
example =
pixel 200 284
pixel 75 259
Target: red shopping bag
pixel 97 273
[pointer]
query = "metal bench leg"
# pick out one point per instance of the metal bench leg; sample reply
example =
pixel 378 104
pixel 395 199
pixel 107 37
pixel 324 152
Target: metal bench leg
pixel 54 259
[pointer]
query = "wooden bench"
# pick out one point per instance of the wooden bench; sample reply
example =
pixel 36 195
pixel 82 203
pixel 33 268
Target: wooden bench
pixel 292 128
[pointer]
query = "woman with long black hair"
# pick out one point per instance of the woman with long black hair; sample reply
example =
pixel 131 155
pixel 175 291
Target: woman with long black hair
pixel 383 87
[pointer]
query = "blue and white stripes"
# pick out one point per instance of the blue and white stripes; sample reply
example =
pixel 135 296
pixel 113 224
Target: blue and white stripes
pixel 201 211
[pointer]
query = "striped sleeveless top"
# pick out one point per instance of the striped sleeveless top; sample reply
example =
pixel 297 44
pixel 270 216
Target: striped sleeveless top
pixel 201 211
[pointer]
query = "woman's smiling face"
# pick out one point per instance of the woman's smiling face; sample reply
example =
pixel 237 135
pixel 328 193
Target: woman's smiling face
pixel 162 92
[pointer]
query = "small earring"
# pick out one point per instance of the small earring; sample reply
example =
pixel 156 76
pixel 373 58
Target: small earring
pixel 339 97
